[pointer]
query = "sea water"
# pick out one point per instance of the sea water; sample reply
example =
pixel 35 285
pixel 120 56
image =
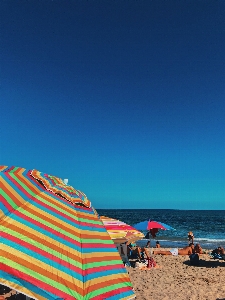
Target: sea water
pixel 208 226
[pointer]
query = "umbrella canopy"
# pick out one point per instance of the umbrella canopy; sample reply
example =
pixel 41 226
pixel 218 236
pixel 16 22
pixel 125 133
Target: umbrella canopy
pixel 147 225
pixel 53 244
pixel 121 232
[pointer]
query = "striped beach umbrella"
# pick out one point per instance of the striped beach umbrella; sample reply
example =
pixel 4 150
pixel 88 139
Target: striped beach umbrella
pixel 53 244
pixel 121 232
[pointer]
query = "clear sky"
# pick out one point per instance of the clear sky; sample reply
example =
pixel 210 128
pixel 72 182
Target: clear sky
pixel 124 98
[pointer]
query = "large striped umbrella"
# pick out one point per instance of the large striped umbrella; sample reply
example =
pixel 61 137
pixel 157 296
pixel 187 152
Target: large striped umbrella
pixel 121 232
pixel 53 244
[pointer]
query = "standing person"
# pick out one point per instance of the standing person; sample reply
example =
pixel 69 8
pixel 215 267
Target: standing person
pixel 190 237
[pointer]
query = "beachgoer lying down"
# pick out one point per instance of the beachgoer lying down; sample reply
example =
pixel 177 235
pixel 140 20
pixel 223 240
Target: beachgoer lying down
pixel 220 251
pixel 175 251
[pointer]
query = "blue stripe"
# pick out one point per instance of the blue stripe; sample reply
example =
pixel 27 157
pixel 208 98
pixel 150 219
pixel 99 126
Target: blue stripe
pixel 66 220
pixel 102 273
pixel 122 295
pixel 59 239
pixel 42 258
pixel 59 266
pixel 4 209
pixel 23 283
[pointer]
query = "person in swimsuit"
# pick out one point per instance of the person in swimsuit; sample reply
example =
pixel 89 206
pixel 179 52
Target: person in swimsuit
pixel 157 244
pixel 198 249
pixel 175 251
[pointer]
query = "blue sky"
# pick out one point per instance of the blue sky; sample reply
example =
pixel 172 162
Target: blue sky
pixel 123 98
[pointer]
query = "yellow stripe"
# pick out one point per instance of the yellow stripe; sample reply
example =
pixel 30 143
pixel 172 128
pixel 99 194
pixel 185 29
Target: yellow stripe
pixel 23 228
pixel 9 187
pixel 60 225
pixel 95 281
pixel 40 264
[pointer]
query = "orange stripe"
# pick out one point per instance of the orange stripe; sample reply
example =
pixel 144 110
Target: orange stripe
pixel 16 198
pixel 93 286
pixel 44 241
pixel 44 272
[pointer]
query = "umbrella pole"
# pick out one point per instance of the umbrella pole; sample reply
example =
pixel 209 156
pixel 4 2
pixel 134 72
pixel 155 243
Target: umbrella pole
pixel 151 248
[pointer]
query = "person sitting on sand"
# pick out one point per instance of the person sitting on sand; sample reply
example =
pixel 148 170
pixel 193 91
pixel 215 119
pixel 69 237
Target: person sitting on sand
pixel 157 244
pixel 138 251
pixel 219 250
pixel 198 249
pixel 147 245
pixel 175 251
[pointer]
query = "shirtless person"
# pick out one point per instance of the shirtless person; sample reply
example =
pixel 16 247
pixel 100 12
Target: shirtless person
pixel 175 251
pixel 198 249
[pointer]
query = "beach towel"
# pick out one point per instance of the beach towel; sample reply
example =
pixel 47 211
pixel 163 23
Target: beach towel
pixel 174 251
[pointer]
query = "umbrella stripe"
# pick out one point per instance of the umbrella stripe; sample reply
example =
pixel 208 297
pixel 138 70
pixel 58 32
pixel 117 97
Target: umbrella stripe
pixel 65 205
pixel 43 256
pixel 47 236
pixel 40 216
pixel 89 259
pixel 31 290
pixel 113 288
pixel 53 249
pixel 70 240
pixel 2 168
pixel 90 286
pixel 111 295
pixel 41 271
pixel 34 281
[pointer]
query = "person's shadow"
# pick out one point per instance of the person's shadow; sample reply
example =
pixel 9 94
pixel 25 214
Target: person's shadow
pixel 207 264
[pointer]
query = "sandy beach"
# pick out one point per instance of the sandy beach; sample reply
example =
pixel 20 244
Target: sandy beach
pixel 175 278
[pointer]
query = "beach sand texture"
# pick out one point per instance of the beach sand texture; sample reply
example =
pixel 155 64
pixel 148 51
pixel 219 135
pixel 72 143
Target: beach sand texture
pixel 177 279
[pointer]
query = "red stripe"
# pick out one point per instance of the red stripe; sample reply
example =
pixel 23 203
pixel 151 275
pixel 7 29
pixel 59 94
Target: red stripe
pixel 62 236
pixel 11 168
pixel 6 203
pixel 56 259
pixel 36 282
pixel 104 268
pixel 64 215
pixel 112 293
pixel 41 252
pixel 49 207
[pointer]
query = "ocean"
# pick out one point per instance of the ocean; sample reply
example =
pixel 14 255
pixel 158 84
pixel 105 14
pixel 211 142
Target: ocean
pixel 208 226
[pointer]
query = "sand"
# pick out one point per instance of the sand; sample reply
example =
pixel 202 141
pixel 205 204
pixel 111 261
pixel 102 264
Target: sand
pixel 177 279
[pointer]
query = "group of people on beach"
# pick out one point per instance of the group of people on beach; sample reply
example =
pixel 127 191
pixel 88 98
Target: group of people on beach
pixel 191 249
pixel 188 250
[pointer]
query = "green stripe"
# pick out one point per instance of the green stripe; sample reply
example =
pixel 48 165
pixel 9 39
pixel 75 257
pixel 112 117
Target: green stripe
pixel 72 214
pixel 42 277
pixel 38 196
pixel 102 263
pixel 107 289
pixel 9 200
pixel 41 246
pixel 57 254
pixel 59 229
